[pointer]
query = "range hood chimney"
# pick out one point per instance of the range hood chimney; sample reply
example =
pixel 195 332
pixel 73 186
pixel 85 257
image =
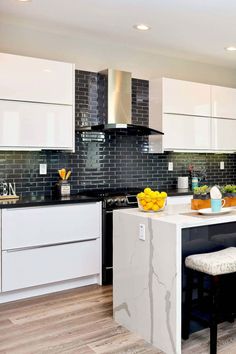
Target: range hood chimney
pixel 116 112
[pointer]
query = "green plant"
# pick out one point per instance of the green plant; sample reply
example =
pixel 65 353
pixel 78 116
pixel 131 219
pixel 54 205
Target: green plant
pixel 203 190
pixel 229 188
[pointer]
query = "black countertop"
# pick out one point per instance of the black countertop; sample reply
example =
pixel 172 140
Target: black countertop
pixel 46 200
pixel 178 192
pixel 24 202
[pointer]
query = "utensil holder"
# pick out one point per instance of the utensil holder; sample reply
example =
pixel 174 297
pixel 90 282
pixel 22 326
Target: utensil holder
pixel 63 188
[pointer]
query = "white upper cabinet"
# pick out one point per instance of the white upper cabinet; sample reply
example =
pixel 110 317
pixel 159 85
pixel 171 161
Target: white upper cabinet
pixel 181 110
pixel 25 125
pixel 36 80
pixel 185 97
pixel 184 133
pixel 223 134
pixel 36 104
pixel 187 113
pixel 223 102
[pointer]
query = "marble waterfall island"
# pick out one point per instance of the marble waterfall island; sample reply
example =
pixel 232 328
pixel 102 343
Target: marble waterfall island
pixel 147 274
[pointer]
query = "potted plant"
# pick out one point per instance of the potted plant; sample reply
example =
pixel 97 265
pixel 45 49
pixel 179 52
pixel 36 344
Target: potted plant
pixel 229 190
pixel 201 192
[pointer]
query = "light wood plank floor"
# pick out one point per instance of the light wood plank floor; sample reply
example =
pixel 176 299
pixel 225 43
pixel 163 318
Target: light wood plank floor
pixel 80 321
pixel 76 321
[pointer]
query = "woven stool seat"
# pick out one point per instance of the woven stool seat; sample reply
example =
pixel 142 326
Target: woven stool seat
pixel 214 263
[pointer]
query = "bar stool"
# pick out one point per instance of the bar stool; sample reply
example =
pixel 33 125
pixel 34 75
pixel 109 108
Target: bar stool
pixel 214 264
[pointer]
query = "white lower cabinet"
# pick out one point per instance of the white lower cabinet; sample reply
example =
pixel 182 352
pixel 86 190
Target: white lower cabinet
pixel 31 267
pixel 50 244
pixel 38 226
pixel 186 132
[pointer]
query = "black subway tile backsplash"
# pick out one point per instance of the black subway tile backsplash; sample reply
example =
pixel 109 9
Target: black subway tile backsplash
pixel 118 161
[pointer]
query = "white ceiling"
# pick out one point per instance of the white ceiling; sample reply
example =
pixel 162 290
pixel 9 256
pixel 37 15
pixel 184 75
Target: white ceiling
pixel 190 29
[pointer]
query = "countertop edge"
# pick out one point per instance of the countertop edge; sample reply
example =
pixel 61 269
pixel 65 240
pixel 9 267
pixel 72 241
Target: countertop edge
pixel 47 201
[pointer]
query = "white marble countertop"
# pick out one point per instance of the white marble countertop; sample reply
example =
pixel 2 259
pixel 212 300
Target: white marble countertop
pixel 178 215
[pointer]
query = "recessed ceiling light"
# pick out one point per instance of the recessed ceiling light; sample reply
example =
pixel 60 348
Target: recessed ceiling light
pixel 24 0
pixel 142 27
pixel 231 48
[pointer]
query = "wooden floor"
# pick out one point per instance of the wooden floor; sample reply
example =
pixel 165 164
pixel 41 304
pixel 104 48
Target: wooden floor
pixel 198 343
pixel 80 321
pixel 77 321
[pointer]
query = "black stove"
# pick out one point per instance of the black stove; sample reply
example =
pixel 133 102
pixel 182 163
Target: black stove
pixel 112 199
pixel 116 198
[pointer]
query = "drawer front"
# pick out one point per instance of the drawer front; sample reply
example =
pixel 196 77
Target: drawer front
pixel 37 226
pixel 26 268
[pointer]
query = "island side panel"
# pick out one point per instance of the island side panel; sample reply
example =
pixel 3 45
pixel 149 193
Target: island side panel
pixel 147 279
pixel 166 285
pixel 0 250
pixel 131 300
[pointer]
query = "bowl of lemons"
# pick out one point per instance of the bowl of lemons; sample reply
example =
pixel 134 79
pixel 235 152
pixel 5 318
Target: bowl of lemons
pixel 151 201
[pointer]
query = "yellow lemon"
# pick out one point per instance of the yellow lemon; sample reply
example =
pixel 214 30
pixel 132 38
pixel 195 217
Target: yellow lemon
pixel 143 202
pixel 149 205
pixel 140 195
pixel 148 199
pixel 152 194
pixel 163 194
pixel 145 208
pixel 147 190
pixel 156 194
pixel 155 207
pixel 161 203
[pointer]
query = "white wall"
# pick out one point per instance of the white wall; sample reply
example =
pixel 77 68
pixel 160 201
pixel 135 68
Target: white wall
pixel 94 54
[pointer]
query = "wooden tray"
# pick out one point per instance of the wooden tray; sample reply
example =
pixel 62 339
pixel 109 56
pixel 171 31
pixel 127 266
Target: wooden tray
pixel 7 197
pixel 197 204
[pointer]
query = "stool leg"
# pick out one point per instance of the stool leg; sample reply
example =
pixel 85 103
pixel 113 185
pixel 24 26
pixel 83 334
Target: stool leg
pixel 200 286
pixel 188 305
pixel 214 315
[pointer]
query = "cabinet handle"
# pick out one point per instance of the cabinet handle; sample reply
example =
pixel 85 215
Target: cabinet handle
pixel 48 245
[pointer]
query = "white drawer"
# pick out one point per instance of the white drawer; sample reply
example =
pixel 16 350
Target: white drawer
pixel 37 226
pixel 26 268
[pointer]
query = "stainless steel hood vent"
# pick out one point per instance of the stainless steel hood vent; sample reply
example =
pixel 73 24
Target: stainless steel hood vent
pixel 115 105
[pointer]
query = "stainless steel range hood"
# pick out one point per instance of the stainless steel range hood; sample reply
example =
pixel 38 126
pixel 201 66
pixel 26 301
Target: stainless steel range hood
pixel 116 111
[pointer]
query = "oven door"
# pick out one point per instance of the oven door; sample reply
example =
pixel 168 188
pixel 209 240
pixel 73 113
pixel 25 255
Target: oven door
pixel 107 247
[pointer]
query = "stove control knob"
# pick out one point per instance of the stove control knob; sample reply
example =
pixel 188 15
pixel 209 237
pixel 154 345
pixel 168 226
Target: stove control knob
pixel 123 200
pixel 110 201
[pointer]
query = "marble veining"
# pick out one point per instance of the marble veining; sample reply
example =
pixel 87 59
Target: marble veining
pixel 124 307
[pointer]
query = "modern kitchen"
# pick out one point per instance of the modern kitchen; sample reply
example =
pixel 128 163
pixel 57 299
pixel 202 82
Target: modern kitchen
pixel 117 177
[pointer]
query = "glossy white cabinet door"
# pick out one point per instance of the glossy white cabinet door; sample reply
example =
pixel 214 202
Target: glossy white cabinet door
pixel 184 97
pixel 186 133
pixel 26 268
pixel 224 102
pixel 37 80
pixel 223 134
pixel 36 125
pixel 46 225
